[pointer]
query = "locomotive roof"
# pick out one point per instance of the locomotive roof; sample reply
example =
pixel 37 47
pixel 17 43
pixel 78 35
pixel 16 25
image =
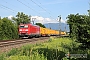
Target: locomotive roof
pixel 30 24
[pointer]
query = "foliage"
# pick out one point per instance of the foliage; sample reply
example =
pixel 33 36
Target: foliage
pixel 79 28
pixel 7 29
pixel 21 18
pixel 0 17
pixel 12 52
pixel 55 49
pixel 2 57
pixel 41 25
pixel 35 56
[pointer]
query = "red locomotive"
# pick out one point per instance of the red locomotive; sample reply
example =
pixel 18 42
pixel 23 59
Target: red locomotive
pixel 29 30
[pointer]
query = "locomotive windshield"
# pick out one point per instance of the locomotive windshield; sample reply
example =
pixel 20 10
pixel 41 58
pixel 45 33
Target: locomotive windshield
pixel 24 26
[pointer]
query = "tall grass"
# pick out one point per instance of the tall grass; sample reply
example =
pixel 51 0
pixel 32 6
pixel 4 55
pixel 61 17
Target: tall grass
pixel 35 56
pixel 53 49
pixel 2 57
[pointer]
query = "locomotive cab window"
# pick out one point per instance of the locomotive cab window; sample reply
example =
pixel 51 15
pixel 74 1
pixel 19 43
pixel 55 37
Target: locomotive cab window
pixel 22 26
pixel 26 26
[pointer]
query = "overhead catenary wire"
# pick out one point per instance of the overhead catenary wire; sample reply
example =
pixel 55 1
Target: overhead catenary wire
pixel 13 10
pixel 9 3
pixel 42 8
pixel 27 6
pixel 8 8
pixel 32 8
pixel 42 5
pixel 39 6
pixel 14 5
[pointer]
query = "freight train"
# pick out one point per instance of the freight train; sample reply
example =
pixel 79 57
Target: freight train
pixel 30 30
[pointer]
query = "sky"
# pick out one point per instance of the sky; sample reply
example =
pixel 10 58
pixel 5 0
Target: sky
pixel 44 11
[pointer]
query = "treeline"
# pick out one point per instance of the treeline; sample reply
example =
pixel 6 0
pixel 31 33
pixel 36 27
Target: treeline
pixel 9 27
pixel 80 28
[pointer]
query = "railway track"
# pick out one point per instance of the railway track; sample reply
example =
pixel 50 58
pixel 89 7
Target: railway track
pixel 21 41
pixel 6 43
pixel 6 46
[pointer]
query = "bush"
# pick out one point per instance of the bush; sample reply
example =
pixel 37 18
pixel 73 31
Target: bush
pixel 2 57
pixel 14 51
pixel 8 30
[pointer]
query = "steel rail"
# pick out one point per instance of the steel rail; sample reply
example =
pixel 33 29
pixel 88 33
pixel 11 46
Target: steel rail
pixel 15 42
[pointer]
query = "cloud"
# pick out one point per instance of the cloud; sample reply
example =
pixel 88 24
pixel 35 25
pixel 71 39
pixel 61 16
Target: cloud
pixel 39 19
pixel 10 17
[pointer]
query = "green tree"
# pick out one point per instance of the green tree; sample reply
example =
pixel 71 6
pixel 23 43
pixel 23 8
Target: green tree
pixel 21 18
pixel 7 29
pixel 1 30
pixel 41 25
pixel 79 28
pixel 0 17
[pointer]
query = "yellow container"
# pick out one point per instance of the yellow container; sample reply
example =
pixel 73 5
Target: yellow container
pixel 42 31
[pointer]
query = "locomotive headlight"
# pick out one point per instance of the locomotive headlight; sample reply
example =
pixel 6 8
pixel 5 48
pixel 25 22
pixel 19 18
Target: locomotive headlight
pixel 26 30
pixel 20 30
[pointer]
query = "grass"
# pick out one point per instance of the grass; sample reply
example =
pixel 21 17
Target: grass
pixel 33 57
pixel 53 49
